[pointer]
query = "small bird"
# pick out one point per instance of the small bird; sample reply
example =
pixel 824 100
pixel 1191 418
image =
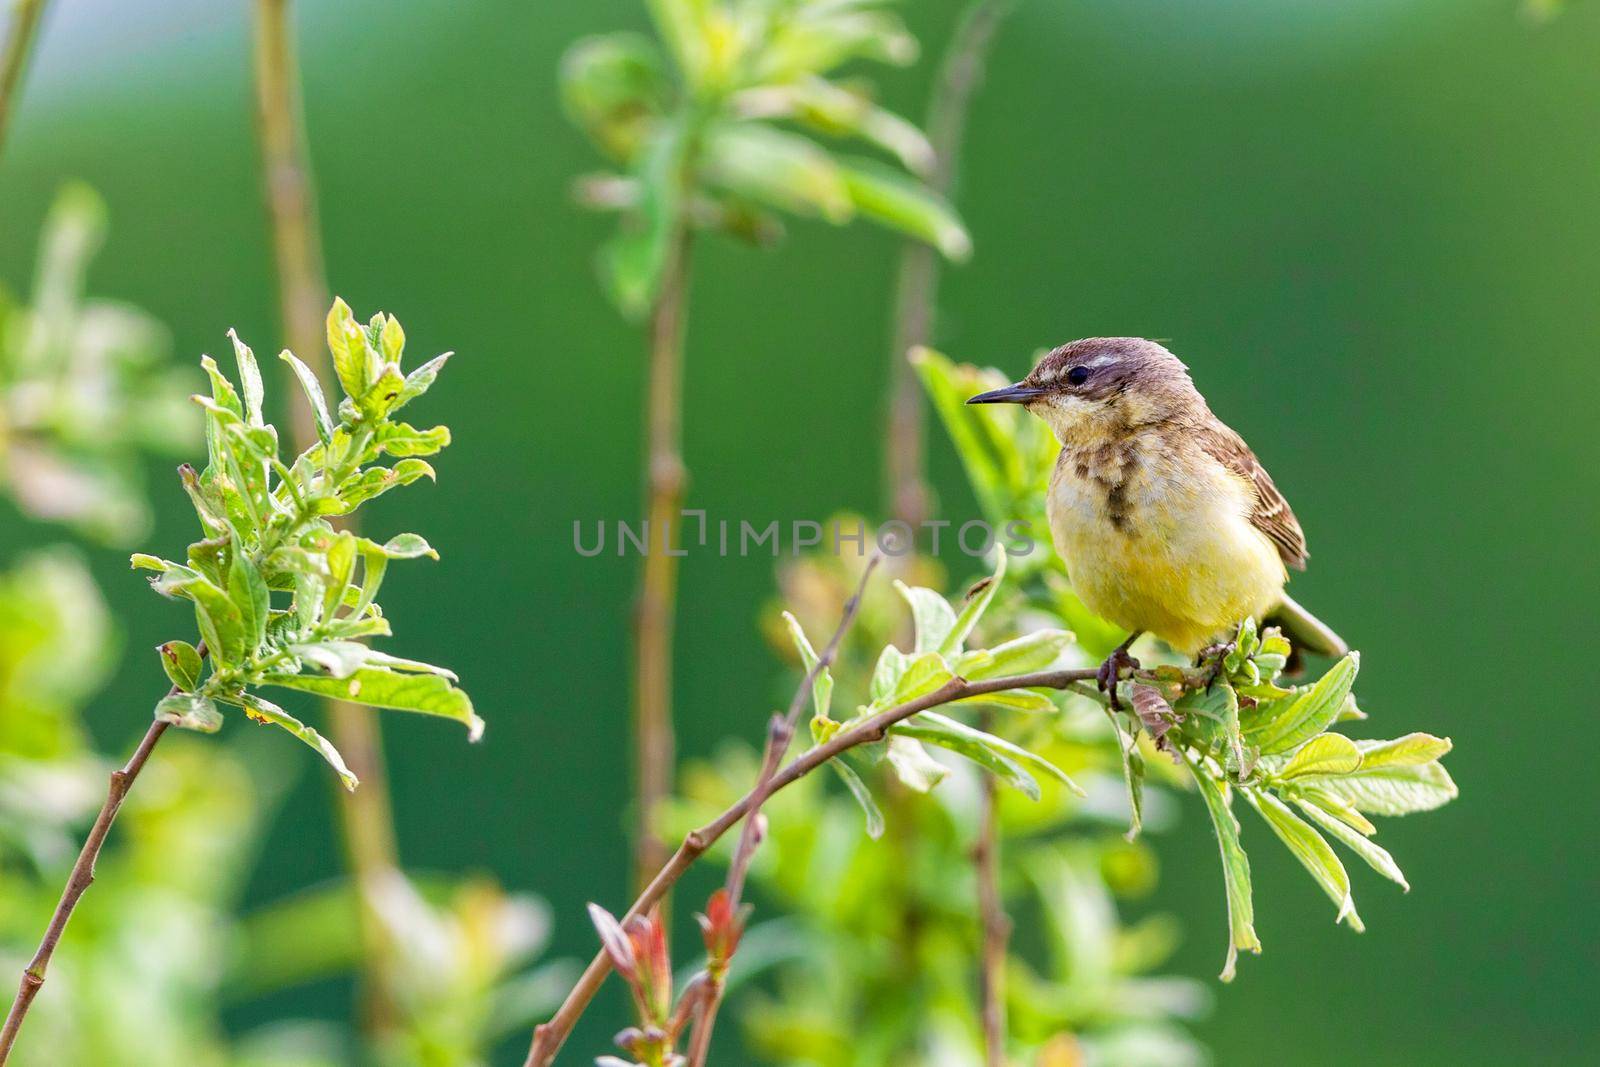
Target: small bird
pixel 1166 520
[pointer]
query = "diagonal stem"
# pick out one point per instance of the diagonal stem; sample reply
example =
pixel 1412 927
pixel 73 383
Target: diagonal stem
pixel 779 734
pixel 23 28
pixel 78 882
pixel 366 816
pixel 550 1036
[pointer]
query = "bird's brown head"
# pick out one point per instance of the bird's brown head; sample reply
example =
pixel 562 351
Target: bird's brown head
pixel 1095 385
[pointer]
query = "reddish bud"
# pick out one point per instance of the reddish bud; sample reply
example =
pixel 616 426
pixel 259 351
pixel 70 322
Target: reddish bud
pixel 647 937
pixel 721 927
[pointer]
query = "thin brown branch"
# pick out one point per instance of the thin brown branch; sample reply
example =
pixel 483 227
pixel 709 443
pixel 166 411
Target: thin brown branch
pixel 549 1037
pixel 780 733
pixel 366 816
pixel 656 608
pixel 996 926
pixel 917 289
pixel 81 878
pixel 20 34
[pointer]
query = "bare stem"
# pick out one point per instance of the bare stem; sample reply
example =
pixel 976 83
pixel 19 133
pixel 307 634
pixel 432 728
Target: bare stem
pixel 917 289
pixel 656 608
pixel 24 27
pixel 780 732
pixel 549 1037
pixel 366 816
pixel 81 878
pixel 996 926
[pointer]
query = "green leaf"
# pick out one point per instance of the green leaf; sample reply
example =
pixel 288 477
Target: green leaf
pixel 427 694
pixel 217 616
pixel 613 88
pixel 1280 725
pixel 1026 700
pixel 340 659
pixel 352 361
pixel 1323 754
pixel 418 382
pixel 181 661
pixel 383 395
pixel 249 593
pixel 223 394
pixel 1409 751
pixel 949 727
pixel 190 711
pixel 1022 655
pixel 383 659
pixel 833 109
pixel 1314 853
pixel 400 546
pixel 340 559
pixel 374 564
pixel 822 684
pixel 392 339
pixel 1376 857
pixel 863 796
pixel 922 675
pixel 977 602
pixel 402 439
pixel 912 764
pixel 1388 790
pixel 892 663
pixel 931 615
pixel 375 481
pixel 890 198
pixel 1339 809
pixel 683 25
pixel 249 379
pixel 633 263
pixel 997 763
pixel 1132 774
pixel 1235 870
pixel 313 391
pixel 779 169
pixel 265 711
pixel 1217 709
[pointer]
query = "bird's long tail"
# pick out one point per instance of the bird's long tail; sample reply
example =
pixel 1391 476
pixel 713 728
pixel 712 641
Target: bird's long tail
pixel 1305 630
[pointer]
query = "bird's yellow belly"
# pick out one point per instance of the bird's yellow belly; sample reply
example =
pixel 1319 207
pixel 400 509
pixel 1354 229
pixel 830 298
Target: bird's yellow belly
pixel 1182 562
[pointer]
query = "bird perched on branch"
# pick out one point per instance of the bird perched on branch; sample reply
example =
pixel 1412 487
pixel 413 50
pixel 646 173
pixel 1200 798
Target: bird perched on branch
pixel 1166 520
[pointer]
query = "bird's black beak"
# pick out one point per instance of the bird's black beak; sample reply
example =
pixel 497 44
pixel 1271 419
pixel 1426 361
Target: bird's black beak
pixel 1011 394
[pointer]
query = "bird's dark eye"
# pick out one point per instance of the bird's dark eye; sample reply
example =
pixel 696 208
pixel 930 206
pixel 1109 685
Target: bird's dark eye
pixel 1077 375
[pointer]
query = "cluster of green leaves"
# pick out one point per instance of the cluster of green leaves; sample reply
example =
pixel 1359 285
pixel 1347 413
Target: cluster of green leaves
pixel 1238 729
pixel 714 129
pixel 81 394
pixel 283 597
pixel 83 388
pixel 872 961
pixel 1275 746
pixel 939 655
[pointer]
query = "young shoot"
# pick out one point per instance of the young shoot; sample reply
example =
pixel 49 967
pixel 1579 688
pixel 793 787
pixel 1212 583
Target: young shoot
pixel 282 597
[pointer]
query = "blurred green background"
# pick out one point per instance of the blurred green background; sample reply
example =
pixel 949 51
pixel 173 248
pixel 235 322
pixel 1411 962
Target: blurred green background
pixel 1372 229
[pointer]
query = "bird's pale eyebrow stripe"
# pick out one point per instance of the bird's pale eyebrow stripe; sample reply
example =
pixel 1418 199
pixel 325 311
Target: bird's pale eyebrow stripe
pixel 1099 361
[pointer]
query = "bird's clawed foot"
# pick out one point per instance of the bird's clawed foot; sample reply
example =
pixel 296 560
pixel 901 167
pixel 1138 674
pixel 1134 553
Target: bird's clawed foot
pixel 1111 672
pixel 1212 658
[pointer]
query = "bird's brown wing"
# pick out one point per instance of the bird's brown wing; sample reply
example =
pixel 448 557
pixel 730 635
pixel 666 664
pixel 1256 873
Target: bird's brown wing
pixel 1271 513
